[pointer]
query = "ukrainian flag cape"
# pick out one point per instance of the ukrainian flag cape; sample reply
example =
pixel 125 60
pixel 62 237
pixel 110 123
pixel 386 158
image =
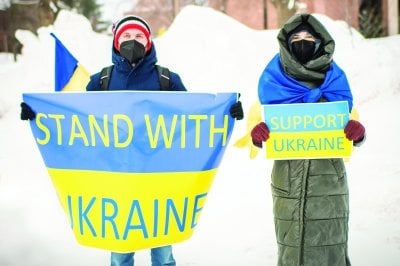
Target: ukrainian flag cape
pixel 276 87
pixel 132 169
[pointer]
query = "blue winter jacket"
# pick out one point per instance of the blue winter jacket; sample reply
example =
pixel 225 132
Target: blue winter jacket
pixel 142 77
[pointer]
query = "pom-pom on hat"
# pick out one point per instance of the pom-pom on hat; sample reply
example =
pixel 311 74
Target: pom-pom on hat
pixel 131 22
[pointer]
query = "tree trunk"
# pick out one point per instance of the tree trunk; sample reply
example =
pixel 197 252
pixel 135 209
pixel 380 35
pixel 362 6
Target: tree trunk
pixel 283 11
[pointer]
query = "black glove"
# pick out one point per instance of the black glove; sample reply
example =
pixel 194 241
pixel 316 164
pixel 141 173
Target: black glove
pixel 26 112
pixel 236 111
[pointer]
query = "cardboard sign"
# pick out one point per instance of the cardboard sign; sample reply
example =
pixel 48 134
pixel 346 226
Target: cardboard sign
pixel 307 130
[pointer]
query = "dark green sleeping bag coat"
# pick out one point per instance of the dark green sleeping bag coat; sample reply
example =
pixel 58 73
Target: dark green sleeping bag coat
pixel 310 197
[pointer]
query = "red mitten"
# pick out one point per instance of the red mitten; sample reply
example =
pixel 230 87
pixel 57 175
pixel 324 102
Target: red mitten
pixel 354 130
pixel 259 134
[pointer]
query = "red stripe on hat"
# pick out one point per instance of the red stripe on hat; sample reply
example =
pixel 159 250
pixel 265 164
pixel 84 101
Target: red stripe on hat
pixel 128 26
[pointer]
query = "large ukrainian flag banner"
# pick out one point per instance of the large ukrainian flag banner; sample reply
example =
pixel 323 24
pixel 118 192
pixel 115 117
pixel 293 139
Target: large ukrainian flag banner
pixel 132 169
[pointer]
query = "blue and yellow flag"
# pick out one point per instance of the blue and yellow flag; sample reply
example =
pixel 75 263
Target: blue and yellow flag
pixel 132 169
pixel 69 74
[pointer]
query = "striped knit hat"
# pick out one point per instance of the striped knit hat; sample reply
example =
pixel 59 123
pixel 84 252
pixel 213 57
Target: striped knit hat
pixel 131 22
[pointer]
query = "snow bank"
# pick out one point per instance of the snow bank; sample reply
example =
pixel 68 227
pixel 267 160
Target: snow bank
pixel 211 52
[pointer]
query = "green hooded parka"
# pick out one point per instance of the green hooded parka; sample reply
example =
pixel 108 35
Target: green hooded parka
pixel 310 197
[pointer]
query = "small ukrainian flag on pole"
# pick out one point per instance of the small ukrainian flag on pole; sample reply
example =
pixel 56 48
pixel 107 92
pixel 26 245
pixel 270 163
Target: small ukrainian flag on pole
pixel 69 74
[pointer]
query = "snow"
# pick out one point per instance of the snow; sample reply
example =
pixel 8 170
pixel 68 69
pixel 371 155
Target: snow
pixel 112 10
pixel 236 226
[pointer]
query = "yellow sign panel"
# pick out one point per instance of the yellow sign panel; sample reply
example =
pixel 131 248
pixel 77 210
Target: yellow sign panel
pixel 308 145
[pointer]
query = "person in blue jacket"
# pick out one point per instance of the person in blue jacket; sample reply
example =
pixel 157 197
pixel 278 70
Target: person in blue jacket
pixel 134 68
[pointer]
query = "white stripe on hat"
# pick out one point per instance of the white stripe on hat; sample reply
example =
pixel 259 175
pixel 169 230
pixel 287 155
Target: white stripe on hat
pixel 131 21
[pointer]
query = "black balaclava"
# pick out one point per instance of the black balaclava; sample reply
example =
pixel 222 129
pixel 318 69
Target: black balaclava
pixel 132 50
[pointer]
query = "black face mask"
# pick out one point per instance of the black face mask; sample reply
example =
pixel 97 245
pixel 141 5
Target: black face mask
pixel 303 50
pixel 132 50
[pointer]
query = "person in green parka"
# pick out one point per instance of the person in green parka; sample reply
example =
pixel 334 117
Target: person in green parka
pixel 310 196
